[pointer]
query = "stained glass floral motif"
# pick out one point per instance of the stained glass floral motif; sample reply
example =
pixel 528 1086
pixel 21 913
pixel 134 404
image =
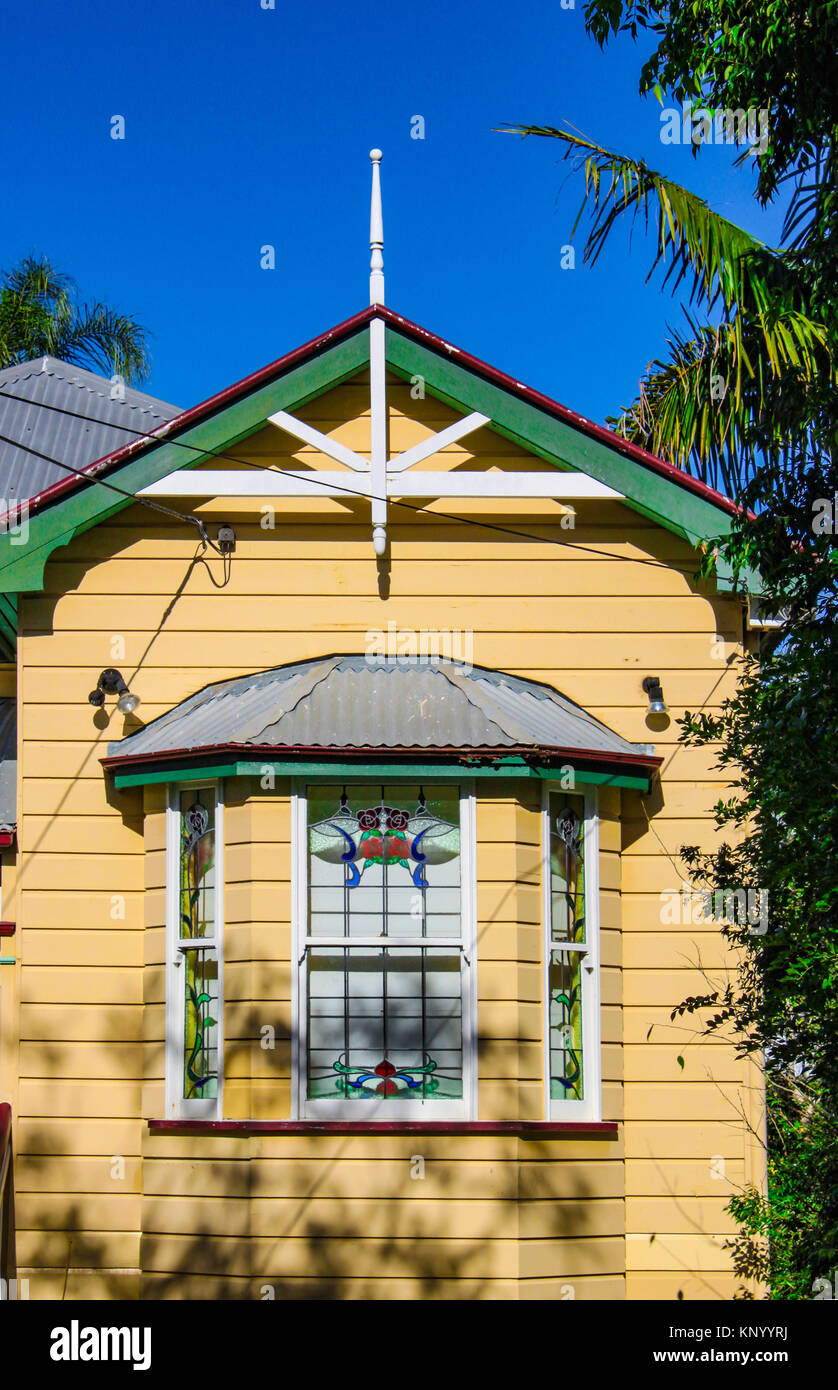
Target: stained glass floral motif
pixel 567 869
pixel 200 963
pixel 200 1053
pixel 567 926
pixel 385 834
pixel 565 1026
pixel 385 1080
pixel 384 1022
pixel 197 864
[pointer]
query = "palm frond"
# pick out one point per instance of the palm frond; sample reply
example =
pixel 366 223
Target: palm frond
pixel 724 259
pixel 107 340
pixel 40 317
pixel 713 407
pixel 767 348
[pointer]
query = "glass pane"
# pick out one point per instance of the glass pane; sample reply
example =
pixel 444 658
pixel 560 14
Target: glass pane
pixel 200 1053
pixel 567 868
pixel 384 861
pixel 566 1025
pixel 384 1024
pixel 197 863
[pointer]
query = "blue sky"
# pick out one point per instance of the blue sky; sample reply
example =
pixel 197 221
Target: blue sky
pixel 246 127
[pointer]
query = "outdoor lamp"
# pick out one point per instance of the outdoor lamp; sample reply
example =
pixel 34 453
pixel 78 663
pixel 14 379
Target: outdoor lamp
pixel 111 682
pixel 654 690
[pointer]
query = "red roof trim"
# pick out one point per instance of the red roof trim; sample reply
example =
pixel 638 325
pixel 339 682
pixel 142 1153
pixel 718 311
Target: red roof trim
pixel 421 335
pixel 243 751
pixel 199 412
pixel 561 412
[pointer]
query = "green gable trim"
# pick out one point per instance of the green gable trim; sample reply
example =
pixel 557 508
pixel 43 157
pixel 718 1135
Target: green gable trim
pixel 8 627
pixel 504 768
pixel 663 501
pixel 658 498
pixel 22 567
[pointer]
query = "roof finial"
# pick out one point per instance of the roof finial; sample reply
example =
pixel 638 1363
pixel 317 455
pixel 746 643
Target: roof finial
pixel 376 233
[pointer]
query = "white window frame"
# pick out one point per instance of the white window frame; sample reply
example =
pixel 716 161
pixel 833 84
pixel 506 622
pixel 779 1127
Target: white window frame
pixel 590 1106
pixel 177 1106
pixel 370 1111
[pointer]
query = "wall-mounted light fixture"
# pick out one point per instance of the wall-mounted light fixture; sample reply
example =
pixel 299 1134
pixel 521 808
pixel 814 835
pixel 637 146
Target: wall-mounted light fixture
pixel 654 690
pixel 226 539
pixel 110 682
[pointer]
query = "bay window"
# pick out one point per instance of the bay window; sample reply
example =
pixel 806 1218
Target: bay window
pixel 385 950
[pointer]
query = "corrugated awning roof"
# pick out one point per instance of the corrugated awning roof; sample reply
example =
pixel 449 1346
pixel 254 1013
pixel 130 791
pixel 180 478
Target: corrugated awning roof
pixel 339 704
pixel 67 413
pixel 8 765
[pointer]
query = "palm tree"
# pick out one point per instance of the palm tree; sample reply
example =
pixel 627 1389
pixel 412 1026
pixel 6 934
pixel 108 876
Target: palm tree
pixel 40 315
pixel 731 393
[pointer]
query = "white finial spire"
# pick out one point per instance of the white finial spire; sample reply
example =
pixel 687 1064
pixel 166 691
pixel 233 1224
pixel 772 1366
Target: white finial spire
pixel 376 233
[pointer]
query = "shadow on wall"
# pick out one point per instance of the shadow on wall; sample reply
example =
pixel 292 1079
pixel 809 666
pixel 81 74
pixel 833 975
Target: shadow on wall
pixel 224 1217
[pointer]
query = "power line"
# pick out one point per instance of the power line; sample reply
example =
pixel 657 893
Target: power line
pixel 121 492
pixel 206 452
pixel 229 458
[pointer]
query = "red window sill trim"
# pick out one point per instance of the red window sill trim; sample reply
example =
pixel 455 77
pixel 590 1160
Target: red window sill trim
pixel 523 1129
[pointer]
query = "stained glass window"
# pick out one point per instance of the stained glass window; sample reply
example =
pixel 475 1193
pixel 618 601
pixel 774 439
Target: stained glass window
pixel 567 944
pixel 384 959
pixel 198 949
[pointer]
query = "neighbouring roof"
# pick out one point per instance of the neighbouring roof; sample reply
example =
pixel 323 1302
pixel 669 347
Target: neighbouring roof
pixel 67 413
pixel 8 765
pixel 341 704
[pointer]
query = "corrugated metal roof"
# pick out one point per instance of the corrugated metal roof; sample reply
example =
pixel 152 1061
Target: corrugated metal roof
pixel 350 702
pixel 105 425
pixel 8 763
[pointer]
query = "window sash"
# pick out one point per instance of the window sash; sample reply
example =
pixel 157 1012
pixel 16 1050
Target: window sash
pixel 181 956
pixel 388 1108
pixel 589 1107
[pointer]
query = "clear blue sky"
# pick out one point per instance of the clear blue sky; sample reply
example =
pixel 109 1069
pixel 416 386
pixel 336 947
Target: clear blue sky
pixel 247 126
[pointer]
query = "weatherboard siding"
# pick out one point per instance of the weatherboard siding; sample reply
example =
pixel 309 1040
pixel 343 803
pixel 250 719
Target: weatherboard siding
pixel 494 1216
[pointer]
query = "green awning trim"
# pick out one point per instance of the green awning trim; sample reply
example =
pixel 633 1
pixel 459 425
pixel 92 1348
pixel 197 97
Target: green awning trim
pixel 358 772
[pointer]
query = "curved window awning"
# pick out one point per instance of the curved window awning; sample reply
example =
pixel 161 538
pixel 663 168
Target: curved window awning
pixel 377 715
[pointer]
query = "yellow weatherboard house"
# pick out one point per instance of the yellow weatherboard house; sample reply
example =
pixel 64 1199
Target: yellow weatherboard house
pixel 342 905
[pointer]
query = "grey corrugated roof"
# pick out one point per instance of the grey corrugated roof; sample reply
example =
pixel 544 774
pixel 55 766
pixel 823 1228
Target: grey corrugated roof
pixel 8 763
pixel 347 702
pixel 106 424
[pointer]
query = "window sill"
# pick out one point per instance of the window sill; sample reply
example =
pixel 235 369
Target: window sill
pixel 522 1129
